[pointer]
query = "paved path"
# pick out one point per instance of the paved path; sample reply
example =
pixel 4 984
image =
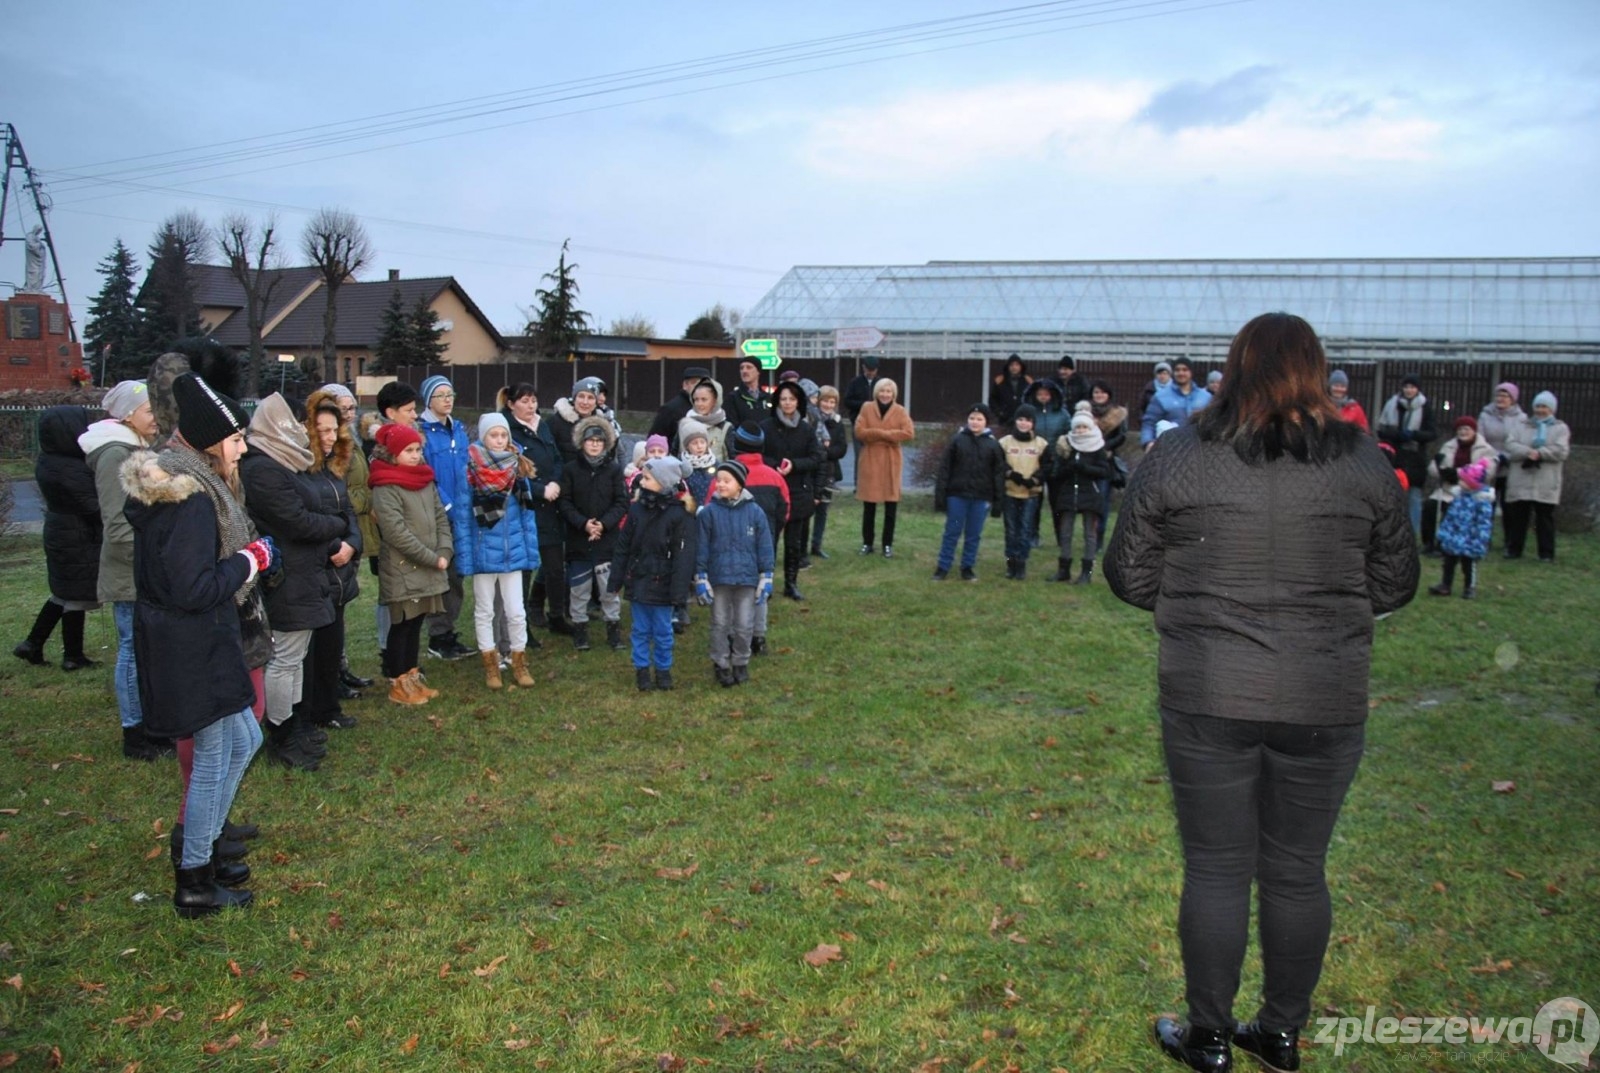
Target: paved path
pixel 27 514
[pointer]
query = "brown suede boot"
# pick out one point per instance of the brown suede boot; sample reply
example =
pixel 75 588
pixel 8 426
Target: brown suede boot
pixel 491 668
pixel 419 687
pixel 400 692
pixel 519 670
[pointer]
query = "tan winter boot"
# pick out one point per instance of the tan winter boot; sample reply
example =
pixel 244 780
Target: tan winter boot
pixel 419 687
pixel 400 692
pixel 519 670
pixel 491 668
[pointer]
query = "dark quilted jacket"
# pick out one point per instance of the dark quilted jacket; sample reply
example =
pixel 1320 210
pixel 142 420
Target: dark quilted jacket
pixel 1264 579
pixel 71 505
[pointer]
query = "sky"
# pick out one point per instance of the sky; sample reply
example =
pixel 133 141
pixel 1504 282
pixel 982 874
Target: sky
pixel 693 152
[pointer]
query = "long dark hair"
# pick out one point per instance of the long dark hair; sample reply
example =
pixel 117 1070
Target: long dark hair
pixel 1274 399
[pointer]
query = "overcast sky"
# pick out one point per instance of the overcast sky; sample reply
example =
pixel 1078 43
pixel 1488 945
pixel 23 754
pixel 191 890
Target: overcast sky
pixel 817 133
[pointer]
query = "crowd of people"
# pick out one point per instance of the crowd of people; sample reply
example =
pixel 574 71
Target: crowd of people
pixel 229 544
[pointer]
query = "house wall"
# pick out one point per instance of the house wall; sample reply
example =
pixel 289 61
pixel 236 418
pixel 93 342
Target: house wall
pixel 466 343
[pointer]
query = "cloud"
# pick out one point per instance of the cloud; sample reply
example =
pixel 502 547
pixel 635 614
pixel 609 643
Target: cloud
pixel 1220 104
pixel 1249 125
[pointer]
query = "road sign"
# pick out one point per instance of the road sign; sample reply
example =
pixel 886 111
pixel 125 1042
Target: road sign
pixel 765 351
pixel 287 359
pixel 857 338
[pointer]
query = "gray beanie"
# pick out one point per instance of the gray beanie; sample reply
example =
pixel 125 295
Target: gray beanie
pixel 667 471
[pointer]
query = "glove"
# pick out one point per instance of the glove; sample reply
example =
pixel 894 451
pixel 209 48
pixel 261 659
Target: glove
pixel 1016 478
pixel 1406 435
pixel 1447 475
pixel 261 552
pixel 763 589
pixel 702 590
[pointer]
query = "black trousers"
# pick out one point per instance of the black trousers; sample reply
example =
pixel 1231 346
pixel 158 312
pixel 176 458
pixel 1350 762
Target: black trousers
pixel 550 580
pixel 405 647
pixel 1256 802
pixel 869 522
pixel 796 534
pixel 319 700
pixel 1517 516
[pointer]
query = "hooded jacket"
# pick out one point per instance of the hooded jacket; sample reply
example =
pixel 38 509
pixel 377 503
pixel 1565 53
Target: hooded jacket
pixel 592 489
pixel 416 535
pixel 444 447
pixel 1054 418
pixel 736 542
pixel 768 488
pixel 798 444
pixel 972 467
pixel 1263 578
pixel 714 424
pixel 1171 404
pixel 72 527
pixel 655 554
pixel 106 446
pixel 186 637
pixel 564 420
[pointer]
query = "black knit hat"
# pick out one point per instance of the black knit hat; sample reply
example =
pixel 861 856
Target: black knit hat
pixel 205 418
pixel 1027 411
pixel 736 469
pixel 981 408
pixel 748 437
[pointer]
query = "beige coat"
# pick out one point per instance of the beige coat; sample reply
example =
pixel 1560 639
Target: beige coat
pixel 1444 458
pixel 1541 483
pixel 878 438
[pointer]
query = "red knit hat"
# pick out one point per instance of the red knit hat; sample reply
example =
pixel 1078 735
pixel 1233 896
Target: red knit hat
pixel 395 438
pixel 1465 419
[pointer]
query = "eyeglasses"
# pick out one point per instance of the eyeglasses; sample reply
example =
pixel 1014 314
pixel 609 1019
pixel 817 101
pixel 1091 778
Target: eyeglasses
pixel 446 395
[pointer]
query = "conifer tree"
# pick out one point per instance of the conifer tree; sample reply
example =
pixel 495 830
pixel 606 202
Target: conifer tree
pixel 113 327
pixel 553 330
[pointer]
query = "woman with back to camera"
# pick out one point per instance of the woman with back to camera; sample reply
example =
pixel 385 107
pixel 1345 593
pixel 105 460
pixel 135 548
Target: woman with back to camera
pixel 1264 535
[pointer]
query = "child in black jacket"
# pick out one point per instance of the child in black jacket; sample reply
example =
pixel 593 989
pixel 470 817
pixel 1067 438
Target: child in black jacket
pixel 655 563
pixel 970 485
pixel 593 502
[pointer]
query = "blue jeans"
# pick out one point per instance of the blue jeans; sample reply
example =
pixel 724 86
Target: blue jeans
pixel 1415 502
pixel 126 675
pixel 963 520
pixel 221 753
pixel 1021 518
pixel 652 623
pixel 1255 802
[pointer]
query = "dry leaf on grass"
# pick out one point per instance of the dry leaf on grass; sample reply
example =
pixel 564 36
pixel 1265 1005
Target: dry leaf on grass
pixel 878 885
pixel 1490 967
pixel 1503 786
pixel 518 1044
pixel 647 790
pixel 491 968
pixel 678 873
pixel 217 1048
pixel 410 1044
pixel 230 1013
pixel 15 981
pixel 824 953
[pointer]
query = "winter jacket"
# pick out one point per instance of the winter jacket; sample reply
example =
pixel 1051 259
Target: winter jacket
pixel 416 535
pixel 742 405
pixel 735 543
pixel 833 454
pixel 768 488
pixel 287 507
pixel 1263 578
pixel 1074 390
pixel 564 420
pixel 72 527
pixel 1170 404
pixel 1537 481
pixel 1443 467
pixel 1023 458
pixel 510 544
pixel 798 444
pixel 355 482
pixel 444 447
pixel 1113 425
pixel 878 455
pixel 1072 477
pixel 1006 394
pixel 856 395
pixel 655 553
pixel 714 424
pixel 1496 425
pixel 1054 419
pixel 1351 411
pixel 107 445
pixel 1409 429
pixel 668 417
pixel 538 445
pixel 592 489
pixel 332 496
pixel 972 467
pixel 186 638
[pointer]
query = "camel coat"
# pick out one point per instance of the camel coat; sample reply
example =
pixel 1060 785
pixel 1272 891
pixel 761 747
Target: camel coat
pixel 878 438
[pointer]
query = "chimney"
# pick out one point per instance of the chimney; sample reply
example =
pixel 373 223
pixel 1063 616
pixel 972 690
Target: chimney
pixel 394 275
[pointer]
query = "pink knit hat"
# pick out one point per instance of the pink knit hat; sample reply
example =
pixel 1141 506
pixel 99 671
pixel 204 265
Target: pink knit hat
pixel 1472 476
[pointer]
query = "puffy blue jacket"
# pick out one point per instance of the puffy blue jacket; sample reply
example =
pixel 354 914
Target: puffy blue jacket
pixel 736 543
pixel 510 544
pixel 1170 404
pixel 445 449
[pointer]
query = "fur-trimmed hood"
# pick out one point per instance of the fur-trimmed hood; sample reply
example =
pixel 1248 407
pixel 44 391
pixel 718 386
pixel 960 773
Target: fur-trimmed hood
pixel 145 481
pixel 337 463
pixel 594 420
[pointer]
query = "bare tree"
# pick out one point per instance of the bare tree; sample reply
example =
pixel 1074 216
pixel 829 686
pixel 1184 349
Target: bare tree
pixel 636 326
pixel 253 260
pixel 337 244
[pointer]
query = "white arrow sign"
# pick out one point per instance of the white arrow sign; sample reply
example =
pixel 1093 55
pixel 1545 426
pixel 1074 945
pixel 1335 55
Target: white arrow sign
pixel 857 338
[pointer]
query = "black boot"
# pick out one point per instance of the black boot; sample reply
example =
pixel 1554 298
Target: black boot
pixel 223 849
pixel 44 625
pixel 614 635
pixel 791 592
pixel 289 748
pixel 1276 1051
pixel 1469 577
pixel 1011 569
pixel 230 871
pixel 641 675
pixel 1087 575
pixel 136 745
pixel 240 832
pixel 1449 579
pixel 351 680
pixel 580 636
pixel 1063 571
pixel 72 657
pixel 1022 570
pixel 198 893
pixel 724 675
pixel 663 677
pixel 1204 1049
pixel 758 645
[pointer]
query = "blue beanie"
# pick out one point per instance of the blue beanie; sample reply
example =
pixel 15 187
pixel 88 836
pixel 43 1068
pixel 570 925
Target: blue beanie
pixel 429 386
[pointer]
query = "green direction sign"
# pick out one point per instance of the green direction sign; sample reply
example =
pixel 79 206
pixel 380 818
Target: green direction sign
pixel 763 350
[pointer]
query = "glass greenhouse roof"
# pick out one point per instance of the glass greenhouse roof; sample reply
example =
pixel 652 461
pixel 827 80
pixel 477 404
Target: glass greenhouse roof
pixel 1534 300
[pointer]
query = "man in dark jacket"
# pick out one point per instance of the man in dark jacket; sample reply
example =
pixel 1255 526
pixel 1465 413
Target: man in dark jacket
pixel 746 401
pixel 1406 424
pixel 1074 385
pixel 675 409
pixel 856 395
pixel 1009 390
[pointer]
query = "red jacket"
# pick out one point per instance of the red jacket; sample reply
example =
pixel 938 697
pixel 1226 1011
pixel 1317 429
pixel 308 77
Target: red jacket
pixel 768 488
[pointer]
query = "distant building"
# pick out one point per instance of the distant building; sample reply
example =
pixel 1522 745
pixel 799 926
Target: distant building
pixel 293 321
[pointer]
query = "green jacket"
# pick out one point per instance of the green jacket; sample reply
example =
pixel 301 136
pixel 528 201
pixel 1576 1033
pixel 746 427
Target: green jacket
pixel 108 444
pixel 355 479
pixel 416 535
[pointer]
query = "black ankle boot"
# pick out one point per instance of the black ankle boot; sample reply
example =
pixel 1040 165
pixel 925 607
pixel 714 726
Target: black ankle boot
pixel 614 635
pixel 1205 1049
pixel 1087 575
pixel 1063 571
pixel 664 678
pixel 642 677
pixel 223 850
pixel 1275 1051
pixel 198 893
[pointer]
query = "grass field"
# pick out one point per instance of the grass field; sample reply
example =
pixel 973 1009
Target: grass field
pixel 959 787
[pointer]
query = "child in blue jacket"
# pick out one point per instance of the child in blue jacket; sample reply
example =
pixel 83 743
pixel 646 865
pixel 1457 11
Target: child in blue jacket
pixel 497 537
pixel 654 562
pixel 733 569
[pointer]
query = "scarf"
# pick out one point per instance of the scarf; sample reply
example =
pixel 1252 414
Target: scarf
pixel 789 420
pixel 1412 419
pixel 275 433
pixel 1541 426
pixel 1088 441
pixel 234 530
pixel 883 408
pixel 1463 456
pixel 382 470
pixel 490 470
pixel 699 462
